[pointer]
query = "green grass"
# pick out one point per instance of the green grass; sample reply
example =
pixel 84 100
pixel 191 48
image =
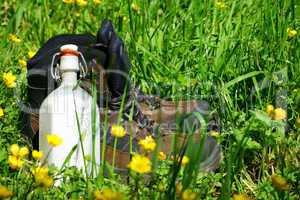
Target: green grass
pixel 238 58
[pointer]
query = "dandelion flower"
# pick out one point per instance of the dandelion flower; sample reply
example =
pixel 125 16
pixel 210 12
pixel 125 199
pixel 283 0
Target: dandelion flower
pixel 188 195
pixel 162 156
pixel 291 32
pixel 220 5
pixel 37 155
pixel 9 79
pixel 69 1
pixel 279 114
pixel 54 140
pixel 23 152
pixel 22 62
pixel 5 192
pixel 14 149
pixel 1 112
pixel 15 162
pixel 14 38
pixel 97 2
pixel 118 131
pixel 148 144
pixel 81 2
pixel 31 54
pixel 140 164
pixel 240 197
pixel 270 110
pixel 279 182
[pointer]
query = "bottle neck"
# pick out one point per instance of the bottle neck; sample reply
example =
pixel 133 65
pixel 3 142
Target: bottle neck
pixel 69 78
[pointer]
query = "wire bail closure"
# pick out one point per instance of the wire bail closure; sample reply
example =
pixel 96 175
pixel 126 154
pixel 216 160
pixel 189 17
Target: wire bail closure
pixel 82 65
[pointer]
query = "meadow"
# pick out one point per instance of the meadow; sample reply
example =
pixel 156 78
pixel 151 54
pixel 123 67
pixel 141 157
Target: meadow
pixel 242 57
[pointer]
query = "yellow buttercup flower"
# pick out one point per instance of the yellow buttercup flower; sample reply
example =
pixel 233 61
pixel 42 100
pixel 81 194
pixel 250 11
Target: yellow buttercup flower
pixel 148 144
pixel 5 192
pixel 185 160
pixel 162 156
pixel 23 152
pixel 42 177
pixel 69 1
pixel 279 182
pixel 135 7
pixel 291 32
pixel 188 195
pixel 9 79
pixel 1 112
pixel 15 162
pixel 240 197
pixel 81 2
pixel 270 110
pixel 107 194
pixel 54 140
pixel 22 62
pixel 14 38
pixel 220 5
pixel 118 131
pixel 279 114
pixel 37 154
pixel 14 149
pixel 97 2
pixel 31 54
pixel 214 133
pixel 140 164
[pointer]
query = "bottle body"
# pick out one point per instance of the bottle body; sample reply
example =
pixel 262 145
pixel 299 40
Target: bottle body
pixel 58 116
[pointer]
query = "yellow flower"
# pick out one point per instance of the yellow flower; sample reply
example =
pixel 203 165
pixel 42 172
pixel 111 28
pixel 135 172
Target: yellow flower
pixel 117 131
pixel 214 134
pixel 14 149
pixel 279 182
pixel 148 144
pixel 162 156
pixel 15 162
pixel 54 140
pixel 37 154
pixel 42 177
pixel 81 2
pixel 188 195
pixel 240 197
pixel 14 38
pixel 178 187
pixel 22 62
pixel 291 32
pixel 107 194
pixel 31 54
pixel 97 2
pixel 9 79
pixel 5 192
pixel 1 112
pixel 23 152
pixel 270 110
pixel 298 122
pixel 69 1
pixel 220 5
pixel 279 114
pixel 135 7
pixel 185 160
pixel 140 164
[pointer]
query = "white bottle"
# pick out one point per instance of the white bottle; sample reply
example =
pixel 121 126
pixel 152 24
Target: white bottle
pixel 57 116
